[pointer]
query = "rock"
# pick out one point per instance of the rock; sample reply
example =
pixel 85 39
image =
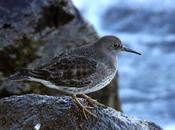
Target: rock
pixel 34 31
pixel 36 112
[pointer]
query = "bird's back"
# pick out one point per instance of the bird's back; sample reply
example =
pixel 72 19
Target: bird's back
pixel 77 71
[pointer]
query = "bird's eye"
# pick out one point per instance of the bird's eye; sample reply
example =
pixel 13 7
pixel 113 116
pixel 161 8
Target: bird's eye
pixel 115 45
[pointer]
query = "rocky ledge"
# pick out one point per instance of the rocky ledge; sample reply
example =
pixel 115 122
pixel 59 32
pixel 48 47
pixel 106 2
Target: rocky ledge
pixel 36 112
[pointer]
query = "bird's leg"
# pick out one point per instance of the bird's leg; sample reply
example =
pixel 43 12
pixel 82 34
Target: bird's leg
pixel 93 102
pixel 84 109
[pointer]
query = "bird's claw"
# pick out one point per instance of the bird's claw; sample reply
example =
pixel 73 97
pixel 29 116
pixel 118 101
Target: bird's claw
pixel 92 102
pixel 84 108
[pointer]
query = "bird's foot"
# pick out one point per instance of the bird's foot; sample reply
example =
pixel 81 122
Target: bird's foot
pixel 92 102
pixel 84 108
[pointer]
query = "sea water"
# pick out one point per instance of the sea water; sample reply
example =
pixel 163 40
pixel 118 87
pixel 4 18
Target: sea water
pixel 147 82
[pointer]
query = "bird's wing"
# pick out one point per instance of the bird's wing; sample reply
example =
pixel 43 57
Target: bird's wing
pixel 74 71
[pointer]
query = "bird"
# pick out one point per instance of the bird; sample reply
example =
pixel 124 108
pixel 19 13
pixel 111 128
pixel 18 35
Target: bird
pixel 79 71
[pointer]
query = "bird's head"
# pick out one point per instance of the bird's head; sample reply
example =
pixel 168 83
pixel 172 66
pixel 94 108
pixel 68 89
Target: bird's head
pixel 112 44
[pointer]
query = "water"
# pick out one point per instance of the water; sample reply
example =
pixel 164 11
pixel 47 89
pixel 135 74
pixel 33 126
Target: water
pixel 147 88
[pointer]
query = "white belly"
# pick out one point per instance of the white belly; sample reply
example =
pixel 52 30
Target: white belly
pixel 101 85
pixel 74 90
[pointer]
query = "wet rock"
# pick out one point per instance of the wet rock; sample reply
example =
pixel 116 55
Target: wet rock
pixel 60 113
pixel 25 27
pixel 34 31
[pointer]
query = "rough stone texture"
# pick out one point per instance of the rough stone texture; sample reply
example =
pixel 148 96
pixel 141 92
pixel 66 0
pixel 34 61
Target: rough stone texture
pixel 34 31
pixel 30 112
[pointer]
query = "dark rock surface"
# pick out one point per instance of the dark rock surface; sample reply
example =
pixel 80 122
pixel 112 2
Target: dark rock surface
pixel 36 112
pixel 34 31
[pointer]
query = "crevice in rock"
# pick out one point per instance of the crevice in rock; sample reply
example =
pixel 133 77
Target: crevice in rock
pixel 4 93
pixel 6 25
pixel 53 16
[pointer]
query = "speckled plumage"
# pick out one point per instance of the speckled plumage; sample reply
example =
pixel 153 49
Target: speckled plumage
pixel 79 71
pixel 82 70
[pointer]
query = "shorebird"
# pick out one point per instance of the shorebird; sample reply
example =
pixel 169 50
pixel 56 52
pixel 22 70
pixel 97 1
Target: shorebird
pixel 79 71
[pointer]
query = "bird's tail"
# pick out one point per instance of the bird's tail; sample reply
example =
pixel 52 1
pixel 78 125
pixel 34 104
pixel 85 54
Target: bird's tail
pixel 20 75
pixel 26 74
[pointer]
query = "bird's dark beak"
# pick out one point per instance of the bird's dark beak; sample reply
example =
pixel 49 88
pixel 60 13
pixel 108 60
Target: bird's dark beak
pixel 130 50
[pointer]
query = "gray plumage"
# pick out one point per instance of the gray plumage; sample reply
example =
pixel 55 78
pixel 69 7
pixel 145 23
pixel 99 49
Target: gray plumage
pixel 81 70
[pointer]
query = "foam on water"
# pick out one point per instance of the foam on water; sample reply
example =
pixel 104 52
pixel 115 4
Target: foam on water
pixel 170 126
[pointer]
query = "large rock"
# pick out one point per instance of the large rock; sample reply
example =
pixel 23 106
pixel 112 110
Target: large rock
pixel 35 112
pixel 34 31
